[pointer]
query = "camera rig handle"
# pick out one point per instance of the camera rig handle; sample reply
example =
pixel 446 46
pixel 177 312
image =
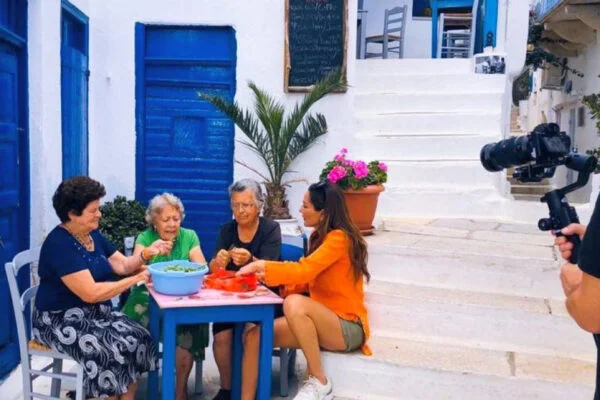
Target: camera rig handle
pixel 561 213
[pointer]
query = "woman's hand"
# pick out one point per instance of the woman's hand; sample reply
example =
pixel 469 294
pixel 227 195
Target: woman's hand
pixel 570 278
pixel 240 256
pixel 564 246
pixel 255 267
pixel 221 259
pixel 143 275
pixel 159 247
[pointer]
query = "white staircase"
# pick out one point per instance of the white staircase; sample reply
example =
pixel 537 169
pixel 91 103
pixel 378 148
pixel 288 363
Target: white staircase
pixel 428 119
pixel 466 310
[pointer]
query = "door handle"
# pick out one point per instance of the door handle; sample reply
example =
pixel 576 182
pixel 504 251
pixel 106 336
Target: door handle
pixel 1 243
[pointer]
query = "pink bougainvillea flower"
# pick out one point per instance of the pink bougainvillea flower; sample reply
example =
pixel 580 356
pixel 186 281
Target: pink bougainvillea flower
pixel 361 170
pixel 344 150
pixel 336 174
pixel 383 167
pixel 339 158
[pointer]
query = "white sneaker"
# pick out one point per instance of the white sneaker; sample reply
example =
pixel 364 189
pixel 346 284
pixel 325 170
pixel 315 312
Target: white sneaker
pixel 315 390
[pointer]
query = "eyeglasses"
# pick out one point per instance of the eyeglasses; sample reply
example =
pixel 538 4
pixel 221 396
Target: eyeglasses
pixel 242 206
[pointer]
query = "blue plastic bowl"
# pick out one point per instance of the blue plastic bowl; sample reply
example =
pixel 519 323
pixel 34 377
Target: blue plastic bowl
pixel 177 283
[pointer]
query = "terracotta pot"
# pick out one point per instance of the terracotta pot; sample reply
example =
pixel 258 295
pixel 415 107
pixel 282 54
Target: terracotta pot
pixel 362 205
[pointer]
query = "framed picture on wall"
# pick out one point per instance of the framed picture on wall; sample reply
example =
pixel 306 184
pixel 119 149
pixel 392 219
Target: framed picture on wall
pixel 421 8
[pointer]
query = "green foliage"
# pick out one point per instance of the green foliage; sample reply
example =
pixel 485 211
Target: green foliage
pixel 122 218
pixel 279 137
pixel 537 56
pixel 520 89
pixel 592 102
pixel 596 153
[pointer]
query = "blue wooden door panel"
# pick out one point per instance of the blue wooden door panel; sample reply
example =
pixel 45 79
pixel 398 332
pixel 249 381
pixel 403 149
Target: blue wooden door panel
pixel 74 96
pixel 187 145
pixel 9 197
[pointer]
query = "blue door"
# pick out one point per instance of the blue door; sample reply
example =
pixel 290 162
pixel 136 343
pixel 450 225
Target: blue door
pixel 184 146
pixel 74 91
pixel 14 202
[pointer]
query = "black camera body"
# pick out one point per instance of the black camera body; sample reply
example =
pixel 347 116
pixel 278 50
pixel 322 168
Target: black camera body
pixel 535 156
pixel 546 145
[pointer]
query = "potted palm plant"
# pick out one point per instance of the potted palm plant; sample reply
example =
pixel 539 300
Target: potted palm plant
pixel 279 137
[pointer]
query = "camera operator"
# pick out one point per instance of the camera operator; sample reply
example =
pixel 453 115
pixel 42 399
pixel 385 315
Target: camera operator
pixel 581 283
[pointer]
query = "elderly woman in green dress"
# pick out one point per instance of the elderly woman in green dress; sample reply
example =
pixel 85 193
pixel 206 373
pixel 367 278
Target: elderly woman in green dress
pixel 164 216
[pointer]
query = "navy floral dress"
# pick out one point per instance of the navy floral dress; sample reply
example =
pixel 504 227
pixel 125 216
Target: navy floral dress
pixel 113 349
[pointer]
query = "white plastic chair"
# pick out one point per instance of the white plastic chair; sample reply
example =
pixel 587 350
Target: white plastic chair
pixel 20 304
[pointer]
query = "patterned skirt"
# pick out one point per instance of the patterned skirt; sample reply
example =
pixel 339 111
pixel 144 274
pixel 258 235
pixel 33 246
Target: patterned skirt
pixel 113 350
pixel 193 338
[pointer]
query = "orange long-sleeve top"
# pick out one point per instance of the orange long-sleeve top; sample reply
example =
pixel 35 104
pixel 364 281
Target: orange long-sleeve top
pixel 330 278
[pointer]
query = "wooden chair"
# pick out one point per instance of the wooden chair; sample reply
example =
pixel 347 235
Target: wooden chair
pixel 394 24
pixel 456 34
pixel 27 349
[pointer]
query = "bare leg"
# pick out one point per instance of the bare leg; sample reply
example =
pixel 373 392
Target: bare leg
pixel 307 325
pixel 130 394
pixel 184 363
pixel 222 351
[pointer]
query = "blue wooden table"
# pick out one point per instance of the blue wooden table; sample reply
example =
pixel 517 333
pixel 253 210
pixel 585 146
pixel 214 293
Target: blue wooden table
pixel 436 7
pixel 212 306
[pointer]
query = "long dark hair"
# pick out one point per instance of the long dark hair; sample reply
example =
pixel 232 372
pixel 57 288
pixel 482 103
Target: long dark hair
pixel 328 197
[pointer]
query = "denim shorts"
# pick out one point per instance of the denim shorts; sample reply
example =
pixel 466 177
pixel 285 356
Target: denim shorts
pixel 354 335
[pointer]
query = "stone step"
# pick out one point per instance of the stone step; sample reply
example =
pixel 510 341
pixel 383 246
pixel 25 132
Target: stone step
pixel 478 123
pixel 538 190
pixel 467 325
pixel 427 102
pixel 391 146
pixel 413 66
pixel 421 83
pixel 367 378
pixel 452 201
pixel 492 294
pixel 530 246
pixel 414 172
pixel 514 181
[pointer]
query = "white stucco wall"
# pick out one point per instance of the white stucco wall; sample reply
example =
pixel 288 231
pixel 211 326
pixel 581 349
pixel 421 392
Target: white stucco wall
pixel 259 32
pixel 554 106
pixel 418 31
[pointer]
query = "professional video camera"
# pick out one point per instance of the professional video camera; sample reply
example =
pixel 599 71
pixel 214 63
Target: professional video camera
pixel 536 157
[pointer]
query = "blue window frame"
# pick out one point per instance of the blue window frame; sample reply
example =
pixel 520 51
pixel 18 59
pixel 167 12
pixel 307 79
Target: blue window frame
pixel 74 90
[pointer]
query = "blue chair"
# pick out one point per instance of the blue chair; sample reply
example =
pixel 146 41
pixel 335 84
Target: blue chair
pixel 287 357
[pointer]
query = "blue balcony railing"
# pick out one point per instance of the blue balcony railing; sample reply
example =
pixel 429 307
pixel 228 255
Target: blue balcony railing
pixel 543 7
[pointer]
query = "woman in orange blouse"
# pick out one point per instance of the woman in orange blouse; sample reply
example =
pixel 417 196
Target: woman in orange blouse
pixel 334 317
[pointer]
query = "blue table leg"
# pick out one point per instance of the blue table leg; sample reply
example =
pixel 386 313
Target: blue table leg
pixel 236 368
pixel 154 314
pixel 266 354
pixel 434 29
pixel 168 367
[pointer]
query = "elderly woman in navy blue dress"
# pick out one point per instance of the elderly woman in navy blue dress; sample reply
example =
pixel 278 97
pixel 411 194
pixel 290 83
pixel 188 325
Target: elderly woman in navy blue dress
pixel 73 313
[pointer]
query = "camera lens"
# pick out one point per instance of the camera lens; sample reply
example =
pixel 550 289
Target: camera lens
pixel 506 153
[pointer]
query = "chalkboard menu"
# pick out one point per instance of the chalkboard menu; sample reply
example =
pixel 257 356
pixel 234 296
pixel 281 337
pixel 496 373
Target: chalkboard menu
pixel 315 41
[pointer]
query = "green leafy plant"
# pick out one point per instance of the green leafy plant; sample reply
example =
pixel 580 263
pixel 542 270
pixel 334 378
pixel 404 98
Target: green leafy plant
pixel 122 218
pixel 592 102
pixel 596 153
pixel 279 137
